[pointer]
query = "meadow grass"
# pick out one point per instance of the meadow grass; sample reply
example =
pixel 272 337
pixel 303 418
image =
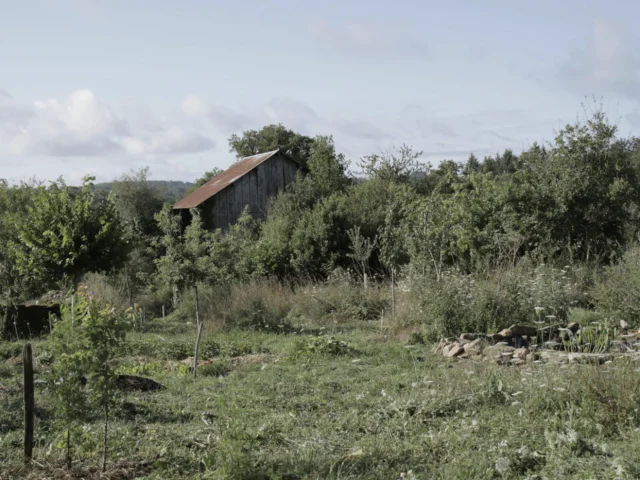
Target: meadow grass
pixel 343 401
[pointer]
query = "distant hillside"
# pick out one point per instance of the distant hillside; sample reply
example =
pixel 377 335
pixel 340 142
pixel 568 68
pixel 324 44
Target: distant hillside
pixel 172 190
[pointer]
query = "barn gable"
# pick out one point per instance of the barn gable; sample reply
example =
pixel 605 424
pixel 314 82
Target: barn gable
pixel 250 181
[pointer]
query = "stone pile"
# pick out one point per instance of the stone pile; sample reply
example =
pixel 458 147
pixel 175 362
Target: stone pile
pixel 524 344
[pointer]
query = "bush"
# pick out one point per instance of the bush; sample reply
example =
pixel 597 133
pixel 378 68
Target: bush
pixel 323 346
pixel 487 303
pixel 259 305
pixel 617 292
pixel 340 299
pixel 10 350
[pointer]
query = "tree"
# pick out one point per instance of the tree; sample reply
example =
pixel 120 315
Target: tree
pixel 187 259
pixel 61 236
pixel 84 343
pixel 584 188
pixel 137 201
pixel 205 178
pixel 14 201
pixel 327 169
pixel 398 166
pixel 271 137
pixel 361 250
pixel 473 165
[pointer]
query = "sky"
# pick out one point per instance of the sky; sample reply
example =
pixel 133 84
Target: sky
pixel 103 87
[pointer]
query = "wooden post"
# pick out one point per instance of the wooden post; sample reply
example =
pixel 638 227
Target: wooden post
pixel 199 323
pixel 105 438
pixel 163 312
pixel 393 295
pixel 29 401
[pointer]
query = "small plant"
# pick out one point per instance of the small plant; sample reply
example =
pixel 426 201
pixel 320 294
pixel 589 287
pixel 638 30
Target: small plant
pixel 84 343
pixel 216 368
pixel 324 346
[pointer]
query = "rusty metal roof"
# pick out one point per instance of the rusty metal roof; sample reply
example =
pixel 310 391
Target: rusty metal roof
pixel 226 178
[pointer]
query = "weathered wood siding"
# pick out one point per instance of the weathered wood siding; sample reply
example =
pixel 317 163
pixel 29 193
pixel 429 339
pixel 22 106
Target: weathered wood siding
pixel 254 189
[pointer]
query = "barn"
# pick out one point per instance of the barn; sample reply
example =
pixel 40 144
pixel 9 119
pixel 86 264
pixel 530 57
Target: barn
pixel 251 181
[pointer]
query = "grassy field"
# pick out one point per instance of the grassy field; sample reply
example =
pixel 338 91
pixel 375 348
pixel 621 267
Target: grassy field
pixel 340 402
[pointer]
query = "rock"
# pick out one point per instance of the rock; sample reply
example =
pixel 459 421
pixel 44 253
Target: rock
pixel 521 353
pixel 517 361
pixel 573 327
pixel 596 358
pixel 476 347
pixel 519 331
pixel 437 349
pixel 624 325
pixel 455 351
pixel 532 358
pixel 506 333
pixel 504 358
pixel 469 336
pixel 494 352
pixel 522 330
pixel 632 337
pixel 553 356
pixel 445 350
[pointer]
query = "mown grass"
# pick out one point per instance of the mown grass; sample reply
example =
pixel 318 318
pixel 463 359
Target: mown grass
pixel 343 402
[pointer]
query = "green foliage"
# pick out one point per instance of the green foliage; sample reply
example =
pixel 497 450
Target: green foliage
pixel 217 368
pixel 62 237
pixel 137 201
pixel 340 300
pixel 398 166
pixel 84 342
pixel 617 291
pixel 168 349
pixel 269 138
pixel 474 303
pixel 258 316
pixel 323 345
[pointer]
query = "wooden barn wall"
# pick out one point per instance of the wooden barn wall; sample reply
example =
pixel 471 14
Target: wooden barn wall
pixel 253 189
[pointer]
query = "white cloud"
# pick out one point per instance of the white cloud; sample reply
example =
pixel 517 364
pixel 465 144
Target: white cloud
pixel 83 125
pixel 224 119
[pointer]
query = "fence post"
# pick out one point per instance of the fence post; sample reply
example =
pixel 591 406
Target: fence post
pixel 29 401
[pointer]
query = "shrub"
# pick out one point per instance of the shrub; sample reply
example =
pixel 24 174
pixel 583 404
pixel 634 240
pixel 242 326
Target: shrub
pixel 257 305
pixel 340 299
pixel 324 346
pixel 617 292
pixel 10 350
pixel 485 303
